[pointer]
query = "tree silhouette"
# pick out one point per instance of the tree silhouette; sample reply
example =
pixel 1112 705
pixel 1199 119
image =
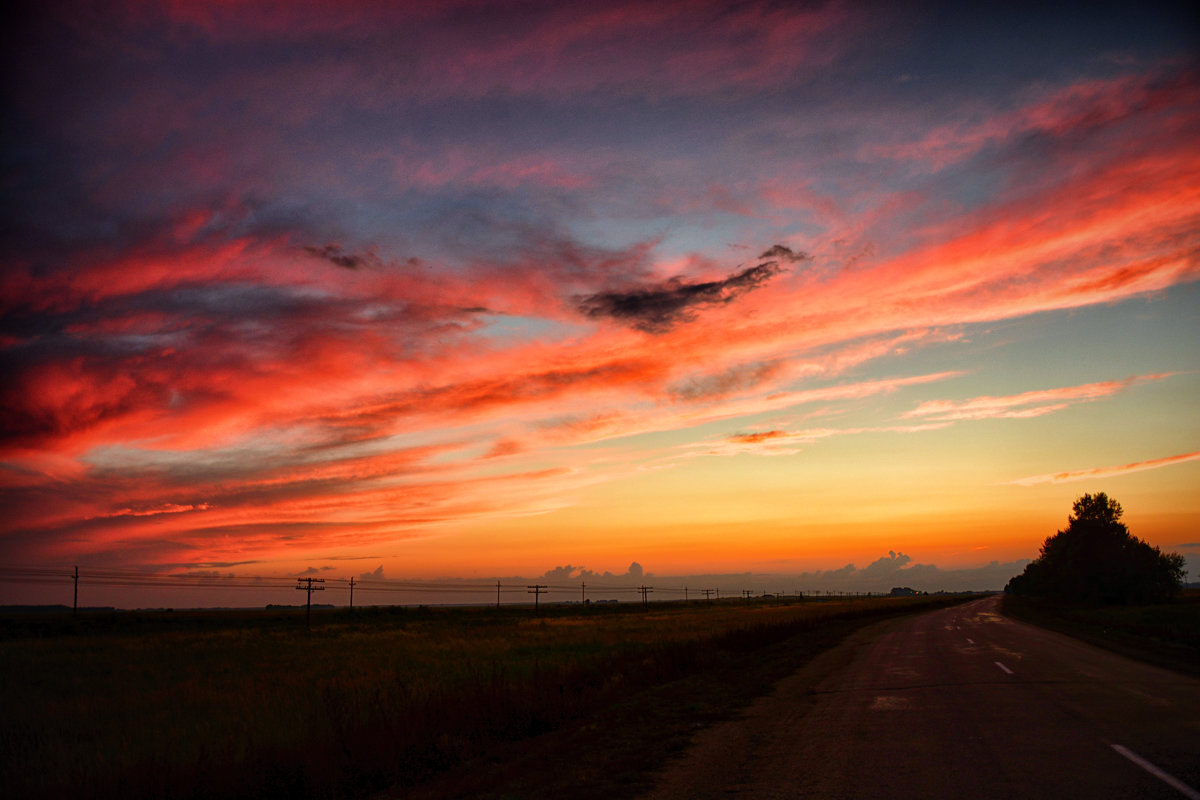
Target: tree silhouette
pixel 1097 560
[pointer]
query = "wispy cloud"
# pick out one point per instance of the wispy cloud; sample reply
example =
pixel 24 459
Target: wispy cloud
pixel 166 508
pixel 1026 404
pixel 1106 472
pixel 773 442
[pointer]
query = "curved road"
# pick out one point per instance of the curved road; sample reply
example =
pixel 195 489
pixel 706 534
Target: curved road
pixel 956 703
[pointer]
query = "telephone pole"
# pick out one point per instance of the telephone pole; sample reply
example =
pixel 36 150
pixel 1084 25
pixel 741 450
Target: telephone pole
pixel 645 590
pixel 306 585
pixel 75 603
pixel 537 590
pixel 582 592
pixel 708 593
pixel 497 594
pixel 351 592
pixel 746 593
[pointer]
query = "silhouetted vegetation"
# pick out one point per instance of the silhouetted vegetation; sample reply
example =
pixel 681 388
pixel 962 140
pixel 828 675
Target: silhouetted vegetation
pixel 1166 634
pixel 1096 560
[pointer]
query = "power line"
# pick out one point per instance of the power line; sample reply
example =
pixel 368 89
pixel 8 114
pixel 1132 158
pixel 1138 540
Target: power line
pixel 537 590
pixel 308 587
pixel 203 581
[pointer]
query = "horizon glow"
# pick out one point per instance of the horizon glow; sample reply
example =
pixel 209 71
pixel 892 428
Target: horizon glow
pixel 479 290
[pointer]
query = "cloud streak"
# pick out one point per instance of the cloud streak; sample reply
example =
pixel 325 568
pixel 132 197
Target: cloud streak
pixel 1025 405
pixel 1106 472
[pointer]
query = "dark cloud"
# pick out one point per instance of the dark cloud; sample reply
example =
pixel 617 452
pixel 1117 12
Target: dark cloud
pixel 334 254
pixel 721 384
pixel 570 571
pixel 377 575
pixel 567 572
pixel 660 307
pixel 882 566
pixel 780 252
pixel 894 569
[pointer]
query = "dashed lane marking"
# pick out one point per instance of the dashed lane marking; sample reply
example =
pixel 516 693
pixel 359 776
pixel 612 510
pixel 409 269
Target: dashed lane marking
pixel 1010 672
pixel 1166 778
pixel 970 640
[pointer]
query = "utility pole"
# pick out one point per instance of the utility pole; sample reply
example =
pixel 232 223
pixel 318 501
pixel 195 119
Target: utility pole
pixel 685 594
pixel 351 592
pixel 497 594
pixel 306 585
pixel 536 590
pixel 708 593
pixel 582 595
pixel 75 603
pixel 746 593
pixel 645 590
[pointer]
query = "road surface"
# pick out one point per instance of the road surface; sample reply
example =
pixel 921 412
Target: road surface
pixel 956 703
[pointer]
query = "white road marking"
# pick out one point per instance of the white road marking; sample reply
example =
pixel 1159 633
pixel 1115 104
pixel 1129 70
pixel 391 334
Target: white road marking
pixel 1001 666
pixel 1170 780
pixel 885 703
pixel 970 640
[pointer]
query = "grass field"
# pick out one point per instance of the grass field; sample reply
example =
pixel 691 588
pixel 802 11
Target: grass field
pixel 1167 634
pixel 247 704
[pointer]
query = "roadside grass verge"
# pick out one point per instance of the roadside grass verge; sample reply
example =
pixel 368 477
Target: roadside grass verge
pixel 246 704
pixel 1165 634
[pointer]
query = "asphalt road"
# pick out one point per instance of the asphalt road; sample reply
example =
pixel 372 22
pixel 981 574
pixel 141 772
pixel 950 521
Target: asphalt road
pixel 956 703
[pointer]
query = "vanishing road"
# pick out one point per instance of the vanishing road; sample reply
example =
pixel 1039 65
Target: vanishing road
pixel 956 703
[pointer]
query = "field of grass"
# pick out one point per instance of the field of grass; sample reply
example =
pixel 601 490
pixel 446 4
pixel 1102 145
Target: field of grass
pixel 1167 634
pixel 248 704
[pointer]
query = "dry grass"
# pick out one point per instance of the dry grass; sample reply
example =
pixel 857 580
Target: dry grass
pixel 229 704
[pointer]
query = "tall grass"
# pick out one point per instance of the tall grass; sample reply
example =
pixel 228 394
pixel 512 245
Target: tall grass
pixel 253 706
pixel 1167 633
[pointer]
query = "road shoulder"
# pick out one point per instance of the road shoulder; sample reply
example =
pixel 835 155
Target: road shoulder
pixel 717 757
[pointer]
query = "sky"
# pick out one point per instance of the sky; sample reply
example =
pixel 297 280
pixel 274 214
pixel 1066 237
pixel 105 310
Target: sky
pixel 467 290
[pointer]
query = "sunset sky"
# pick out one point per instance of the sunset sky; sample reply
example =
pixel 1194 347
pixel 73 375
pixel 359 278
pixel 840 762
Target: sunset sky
pixel 467 289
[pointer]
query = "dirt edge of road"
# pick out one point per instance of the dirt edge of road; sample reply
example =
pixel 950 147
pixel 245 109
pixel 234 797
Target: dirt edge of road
pixel 716 753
